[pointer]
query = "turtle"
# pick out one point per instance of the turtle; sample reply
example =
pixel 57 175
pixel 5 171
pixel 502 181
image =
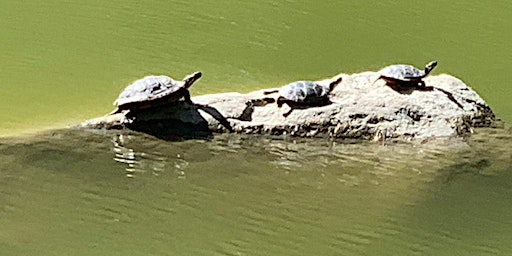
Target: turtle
pixel 153 91
pixel 303 94
pixel 406 75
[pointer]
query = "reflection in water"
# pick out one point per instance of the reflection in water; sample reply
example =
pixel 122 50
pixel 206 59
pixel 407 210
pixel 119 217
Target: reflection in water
pixel 137 161
pixel 149 161
pixel 254 195
pixel 143 154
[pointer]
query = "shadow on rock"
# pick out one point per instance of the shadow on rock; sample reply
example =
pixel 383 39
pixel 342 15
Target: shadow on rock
pixel 449 95
pixel 176 121
pixel 408 89
pixel 171 129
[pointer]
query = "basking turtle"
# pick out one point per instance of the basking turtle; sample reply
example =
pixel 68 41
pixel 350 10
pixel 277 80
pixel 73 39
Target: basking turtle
pixel 406 75
pixel 303 94
pixel 153 91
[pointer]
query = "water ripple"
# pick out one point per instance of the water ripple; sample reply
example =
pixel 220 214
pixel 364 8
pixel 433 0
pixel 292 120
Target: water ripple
pixel 239 194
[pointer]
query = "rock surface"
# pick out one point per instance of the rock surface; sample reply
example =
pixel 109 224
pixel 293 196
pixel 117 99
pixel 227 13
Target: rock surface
pixel 362 108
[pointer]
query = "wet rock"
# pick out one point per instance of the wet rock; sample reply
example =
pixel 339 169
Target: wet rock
pixel 362 107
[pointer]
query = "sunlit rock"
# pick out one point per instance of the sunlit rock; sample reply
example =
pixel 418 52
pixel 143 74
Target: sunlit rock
pixel 362 108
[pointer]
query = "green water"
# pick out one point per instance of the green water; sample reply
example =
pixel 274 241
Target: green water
pixel 63 61
pixel 80 193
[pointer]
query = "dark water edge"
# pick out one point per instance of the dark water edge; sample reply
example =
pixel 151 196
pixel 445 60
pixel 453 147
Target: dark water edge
pixel 109 192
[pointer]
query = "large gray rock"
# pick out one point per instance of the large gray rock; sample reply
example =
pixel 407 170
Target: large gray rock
pixel 361 108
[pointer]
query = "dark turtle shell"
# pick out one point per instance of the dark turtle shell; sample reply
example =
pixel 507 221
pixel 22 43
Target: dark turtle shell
pixel 147 89
pixel 406 73
pixel 304 92
pixel 154 90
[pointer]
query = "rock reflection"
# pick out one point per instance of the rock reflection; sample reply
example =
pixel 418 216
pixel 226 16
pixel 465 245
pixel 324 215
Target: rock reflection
pixel 349 162
pixel 345 193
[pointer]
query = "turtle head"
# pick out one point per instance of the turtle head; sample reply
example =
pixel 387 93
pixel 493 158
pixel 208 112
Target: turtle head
pixel 191 79
pixel 431 65
pixel 335 81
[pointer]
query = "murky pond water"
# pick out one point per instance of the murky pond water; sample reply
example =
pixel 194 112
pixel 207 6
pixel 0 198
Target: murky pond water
pixel 82 193
pixel 64 61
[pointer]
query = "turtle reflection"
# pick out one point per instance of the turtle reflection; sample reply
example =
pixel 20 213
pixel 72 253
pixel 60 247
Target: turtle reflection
pixel 140 162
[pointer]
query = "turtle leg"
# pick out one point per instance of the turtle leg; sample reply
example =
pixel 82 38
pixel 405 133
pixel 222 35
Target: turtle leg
pixel 270 92
pixel 280 101
pixel 288 113
pixel 268 100
pixel 292 106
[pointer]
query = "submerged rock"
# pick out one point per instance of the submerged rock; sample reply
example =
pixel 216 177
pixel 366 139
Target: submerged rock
pixel 361 107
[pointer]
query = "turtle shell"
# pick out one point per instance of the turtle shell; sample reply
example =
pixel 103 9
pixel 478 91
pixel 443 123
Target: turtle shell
pixel 304 92
pixel 402 72
pixel 148 89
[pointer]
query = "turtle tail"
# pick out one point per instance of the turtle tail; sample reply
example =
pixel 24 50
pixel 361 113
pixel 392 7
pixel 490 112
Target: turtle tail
pixel 115 111
pixel 376 80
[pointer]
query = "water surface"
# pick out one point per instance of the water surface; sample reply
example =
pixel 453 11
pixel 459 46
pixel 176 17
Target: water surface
pixel 80 193
pixel 64 61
